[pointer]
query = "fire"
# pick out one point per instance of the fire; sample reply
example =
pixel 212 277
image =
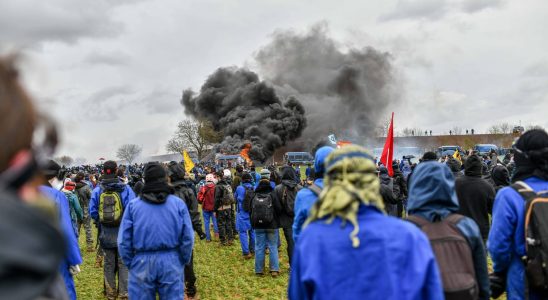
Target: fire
pixel 245 153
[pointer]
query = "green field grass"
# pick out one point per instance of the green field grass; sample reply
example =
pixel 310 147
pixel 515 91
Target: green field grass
pixel 221 273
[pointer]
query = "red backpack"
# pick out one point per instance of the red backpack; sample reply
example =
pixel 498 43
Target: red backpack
pixel 206 197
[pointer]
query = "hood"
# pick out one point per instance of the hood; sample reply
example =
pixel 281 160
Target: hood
pixel 473 166
pixel 383 175
pixel 264 187
pixel 155 198
pixel 319 159
pixel 432 191
pixel 500 176
pixel 454 165
pixel 289 177
pixel 112 184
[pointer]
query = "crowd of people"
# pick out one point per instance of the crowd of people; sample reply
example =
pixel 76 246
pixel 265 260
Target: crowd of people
pixel 353 229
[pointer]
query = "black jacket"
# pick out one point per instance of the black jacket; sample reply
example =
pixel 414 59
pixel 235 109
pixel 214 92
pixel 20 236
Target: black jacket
pixel 220 188
pixel 290 186
pixel 184 190
pixel 476 196
pixel 400 186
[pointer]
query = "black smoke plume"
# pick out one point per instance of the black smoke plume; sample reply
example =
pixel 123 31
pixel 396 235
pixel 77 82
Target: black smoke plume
pixel 343 92
pixel 246 110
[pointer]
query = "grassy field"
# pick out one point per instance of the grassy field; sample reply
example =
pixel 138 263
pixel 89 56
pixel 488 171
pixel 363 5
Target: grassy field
pixel 221 273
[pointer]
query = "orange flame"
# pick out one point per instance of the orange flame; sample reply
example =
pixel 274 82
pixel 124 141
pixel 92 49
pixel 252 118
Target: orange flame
pixel 245 154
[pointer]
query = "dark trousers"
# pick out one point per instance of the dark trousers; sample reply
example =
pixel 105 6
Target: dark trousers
pixel 288 233
pixel 190 277
pixel 224 223
pixel 113 266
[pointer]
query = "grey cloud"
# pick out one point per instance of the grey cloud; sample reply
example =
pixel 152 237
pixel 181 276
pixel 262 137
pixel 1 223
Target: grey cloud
pixel 115 58
pixel 436 9
pixel 27 22
pixel 105 104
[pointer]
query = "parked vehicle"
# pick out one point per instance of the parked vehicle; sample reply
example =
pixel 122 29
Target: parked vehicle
pixel 298 158
pixel 485 148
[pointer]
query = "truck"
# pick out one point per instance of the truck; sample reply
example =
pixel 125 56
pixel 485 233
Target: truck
pixel 298 158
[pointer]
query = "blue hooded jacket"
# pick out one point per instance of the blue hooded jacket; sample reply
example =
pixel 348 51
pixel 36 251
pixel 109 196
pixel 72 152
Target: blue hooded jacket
pixel 305 198
pixel 155 242
pixel 243 223
pixel 394 261
pixel 72 255
pixel 432 196
pixel 506 242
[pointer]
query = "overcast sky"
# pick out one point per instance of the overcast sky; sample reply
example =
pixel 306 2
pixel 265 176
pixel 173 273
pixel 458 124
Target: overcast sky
pixel 112 72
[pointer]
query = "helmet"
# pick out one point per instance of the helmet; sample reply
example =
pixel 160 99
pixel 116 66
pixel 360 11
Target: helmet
pixel 210 178
pixel 227 173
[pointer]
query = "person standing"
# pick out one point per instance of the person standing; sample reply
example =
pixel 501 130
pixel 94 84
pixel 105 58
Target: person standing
pixel 156 239
pixel 107 205
pixel 224 200
pixel 83 191
pixel 206 197
pixel 244 194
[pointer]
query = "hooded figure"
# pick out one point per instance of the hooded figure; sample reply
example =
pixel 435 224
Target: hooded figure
pixel 243 223
pixel 307 197
pixel 351 250
pixel 506 242
pixel 156 239
pixel 500 176
pixel 284 204
pixel 432 196
pixel 475 194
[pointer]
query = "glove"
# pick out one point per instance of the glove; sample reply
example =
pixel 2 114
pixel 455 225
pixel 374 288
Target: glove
pixel 74 270
pixel 498 284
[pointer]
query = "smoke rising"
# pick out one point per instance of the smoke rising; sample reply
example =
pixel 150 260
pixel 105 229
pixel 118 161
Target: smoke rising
pixel 343 92
pixel 246 110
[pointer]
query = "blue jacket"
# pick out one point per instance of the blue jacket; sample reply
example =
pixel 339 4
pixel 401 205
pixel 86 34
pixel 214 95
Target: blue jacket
pixel 303 203
pixel 506 238
pixel 148 227
pixel 394 261
pixel 72 255
pixel 432 196
pixel 108 235
pixel 243 223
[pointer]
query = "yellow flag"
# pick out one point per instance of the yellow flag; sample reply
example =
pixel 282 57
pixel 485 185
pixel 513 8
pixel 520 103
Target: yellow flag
pixel 189 164
pixel 456 155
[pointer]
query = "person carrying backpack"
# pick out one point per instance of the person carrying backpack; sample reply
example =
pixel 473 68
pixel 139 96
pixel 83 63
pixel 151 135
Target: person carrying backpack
pixel 106 207
pixel 307 197
pixel 83 190
pixel 156 239
pixel 515 261
pixel 206 197
pixel 76 214
pixel 284 204
pixel 350 249
pixel 455 239
pixel 263 221
pixel 224 200
pixel 244 194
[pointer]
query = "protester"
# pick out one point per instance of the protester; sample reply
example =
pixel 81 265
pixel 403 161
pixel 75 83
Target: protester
pixel 106 207
pixel 83 190
pixel 506 242
pixel 399 188
pixel 244 194
pixel 351 250
pixel 475 194
pixel 307 197
pixel 71 264
pixel 263 221
pixel 29 223
pixel 224 201
pixel 500 177
pixel 284 204
pixel 156 239
pixel 206 197
pixel 76 214
pixel 433 202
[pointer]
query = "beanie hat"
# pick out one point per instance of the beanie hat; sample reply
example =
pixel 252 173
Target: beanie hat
pixel 429 156
pixel 265 174
pixel 51 168
pixel 155 172
pixel 473 166
pixel 109 167
pixel 531 155
pixel 175 171
pixel 319 159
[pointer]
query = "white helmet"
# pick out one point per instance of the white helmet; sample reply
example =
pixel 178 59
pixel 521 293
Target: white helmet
pixel 227 173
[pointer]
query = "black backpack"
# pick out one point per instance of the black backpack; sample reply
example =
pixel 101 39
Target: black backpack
pixel 288 199
pixel 248 198
pixel 228 195
pixel 536 228
pixel 453 255
pixel 262 211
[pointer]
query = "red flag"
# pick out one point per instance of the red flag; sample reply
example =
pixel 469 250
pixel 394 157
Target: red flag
pixel 388 150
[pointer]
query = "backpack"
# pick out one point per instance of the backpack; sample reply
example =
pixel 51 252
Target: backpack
pixel 110 208
pixel 536 227
pixel 228 195
pixel 262 211
pixel 288 199
pixel 248 198
pixel 453 255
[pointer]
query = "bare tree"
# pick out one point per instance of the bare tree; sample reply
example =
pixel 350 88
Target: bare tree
pixel 494 129
pixel 412 131
pixel 128 152
pixel 65 160
pixel 198 136
pixel 456 130
pixel 505 128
